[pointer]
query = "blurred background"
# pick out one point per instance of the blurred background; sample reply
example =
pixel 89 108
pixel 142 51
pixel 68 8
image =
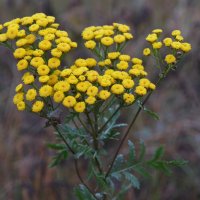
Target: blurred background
pixel 24 174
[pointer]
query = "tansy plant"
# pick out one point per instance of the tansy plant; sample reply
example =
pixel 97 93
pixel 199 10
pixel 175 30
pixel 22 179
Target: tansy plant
pixel 91 93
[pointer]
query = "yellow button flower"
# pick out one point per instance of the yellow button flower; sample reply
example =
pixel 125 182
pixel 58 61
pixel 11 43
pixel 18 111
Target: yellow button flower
pixel 46 91
pixel 124 57
pixel 56 52
pixel 21 106
pixel 117 89
pixel 37 106
pixel 87 35
pixel 128 98
pixel 12 33
pixel 34 27
pixel 54 63
pixel 167 41
pixel 107 41
pixel 128 83
pixel 113 55
pixel 69 101
pixel 21 42
pixel 157 45
pixel 122 65
pixel 18 97
pixel 3 37
pixel 144 82
pixel 79 107
pixel 62 86
pixel 170 59
pixel 43 79
pixel 92 91
pixel 64 47
pixel 104 94
pixel 22 64
pixel 19 88
pixel 31 94
pixel 28 79
pixel 140 90
pixel 58 96
pixel 80 62
pixel 19 53
pixel 151 37
pixel 146 52
pixel 90 100
pixel 37 61
pixel 90 44
pixel 43 70
pixel 176 45
pixel 136 61
pixel 185 47
pixel 119 38
pixel 45 45
pixel 91 62
pixel 176 32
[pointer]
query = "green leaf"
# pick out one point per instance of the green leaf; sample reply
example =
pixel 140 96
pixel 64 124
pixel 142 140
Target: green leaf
pixel 56 146
pixel 141 170
pixel 142 151
pixel 151 113
pixel 58 158
pixel 119 161
pixel 121 194
pixel 177 163
pixel 132 179
pixel 69 117
pixel 82 193
pixel 160 165
pixel 158 153
pixel 116 175
pixel 131 151
pixel 148 111
pixel 84 150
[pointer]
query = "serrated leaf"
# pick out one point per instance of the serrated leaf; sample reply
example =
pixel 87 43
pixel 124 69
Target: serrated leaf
pixel 119 161
pixel 56 146
pixel 141 170
pixel 133 180
pixel 131 151
pixel 116 175
pixel 58 158
pixel 84 150
pixel 82 193
pixel 158 153
pixel 142 151
pixel 176 163
pixel 161 165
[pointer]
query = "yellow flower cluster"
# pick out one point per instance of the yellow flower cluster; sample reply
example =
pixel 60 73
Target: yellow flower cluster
pixel 40 46
pixel 175 43
pixel 106 35
pixel 86 82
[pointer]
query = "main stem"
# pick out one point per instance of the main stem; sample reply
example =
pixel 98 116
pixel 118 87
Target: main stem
pixel 95 138
pixel 129 129
pixel 75 162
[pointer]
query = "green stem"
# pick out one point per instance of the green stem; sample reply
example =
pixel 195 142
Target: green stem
pixel 82 123
pixel 128 130
pixel 116 111
pixel 75 161
pixel 95 139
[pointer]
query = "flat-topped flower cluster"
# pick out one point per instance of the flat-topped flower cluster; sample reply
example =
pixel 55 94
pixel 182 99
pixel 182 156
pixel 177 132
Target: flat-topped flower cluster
pixel 39 46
